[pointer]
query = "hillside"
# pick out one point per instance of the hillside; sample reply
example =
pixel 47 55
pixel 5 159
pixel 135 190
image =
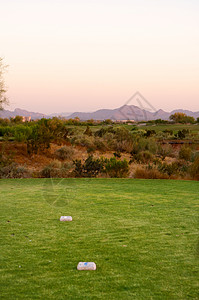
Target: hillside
pixel 125 112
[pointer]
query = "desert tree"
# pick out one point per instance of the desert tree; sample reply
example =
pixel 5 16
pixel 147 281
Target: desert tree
pixel 3 99
pixel 180 117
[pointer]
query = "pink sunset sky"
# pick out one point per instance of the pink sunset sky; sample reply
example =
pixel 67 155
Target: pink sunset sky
pixel 67 56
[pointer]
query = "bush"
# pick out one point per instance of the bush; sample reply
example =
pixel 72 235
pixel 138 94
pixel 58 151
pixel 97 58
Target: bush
pixel 117 168
pixel 194 170
pixel 84 141
pixel 143 144
pixel 117 154
pixel 7 131
pixel 149 133
pixel 181 134
pixel 149 174
pixel 56 170
pixel 110 141
pixel 102 131
pixel 100 145
pixel 5 159
pixel 90 168
pixel 143 157
pixel 22 133
pixel 118 139
pixel 14 171
pixel 94 166
pixel 40 137
pixel 175 168
pixel 194 155
pixel 88 131
pixel 49 172
pixel 185 153
pixel 165 151
pixel 124 140
pixel 64 153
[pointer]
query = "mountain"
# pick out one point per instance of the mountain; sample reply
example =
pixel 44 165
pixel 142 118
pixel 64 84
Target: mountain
pixel 63 114
pixel 129 112
pixel 125 112
pixel 21 112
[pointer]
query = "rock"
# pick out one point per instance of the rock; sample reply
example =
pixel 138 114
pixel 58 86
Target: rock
pixel 91 266
pixel 66 218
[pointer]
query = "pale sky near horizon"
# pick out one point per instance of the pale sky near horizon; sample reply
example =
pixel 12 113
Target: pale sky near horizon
pixel 67 56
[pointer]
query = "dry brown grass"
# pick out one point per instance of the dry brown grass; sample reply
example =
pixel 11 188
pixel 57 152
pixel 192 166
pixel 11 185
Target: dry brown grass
pixel 37 162
pixel 149 174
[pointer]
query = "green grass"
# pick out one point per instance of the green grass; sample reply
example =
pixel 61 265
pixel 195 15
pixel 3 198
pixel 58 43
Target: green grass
pixel 142 234
pixel 174 127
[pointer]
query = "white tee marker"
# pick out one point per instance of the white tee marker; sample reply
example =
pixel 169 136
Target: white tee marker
pixel 66 218
pixel 91 266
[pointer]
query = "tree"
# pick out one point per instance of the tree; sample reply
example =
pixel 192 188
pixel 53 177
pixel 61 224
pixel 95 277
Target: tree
pixel 18 120
pixel 88 131
pixel 3 99
pixel 182 118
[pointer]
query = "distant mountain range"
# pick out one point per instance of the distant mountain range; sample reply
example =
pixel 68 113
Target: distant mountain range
pixel 20 112
pixel 125 112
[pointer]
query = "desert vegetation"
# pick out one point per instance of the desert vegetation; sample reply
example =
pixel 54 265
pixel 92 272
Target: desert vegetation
pixel 72 148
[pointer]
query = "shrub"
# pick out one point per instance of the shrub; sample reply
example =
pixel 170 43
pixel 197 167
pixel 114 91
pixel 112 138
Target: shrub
pixel 194 169
pixel 165 151
pixel 168 132
pixel 64 153
pixel 22 133
pixel 14 171
pixel 194 155
pixel 84 141
pixel 111 141
pixel 118 139
pixel 117 154
pixel 185 153
pixel 143 157
pixel 181 134
pixel 52 170
pixel 7 131
pixel 56 170
pixel 117 168
pixel 48 172
pixel 102 131
pixel 123 146
pixel 124 140
pixel 4 121
pixel 94 166
pixel 143 144
pixel 149 133
pixel 79 169
pixel 175 168
pixel 88 131
pixel 5 159
pixel 90 168
pixel 55 164
pixel 67 166
pixel 100 145
pixel 149 174
pixel 40 137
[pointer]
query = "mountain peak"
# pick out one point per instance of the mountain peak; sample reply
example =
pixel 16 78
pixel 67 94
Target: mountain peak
pixel 125 112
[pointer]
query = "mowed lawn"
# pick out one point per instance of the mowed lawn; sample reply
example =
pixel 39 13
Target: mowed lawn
pixel 142 235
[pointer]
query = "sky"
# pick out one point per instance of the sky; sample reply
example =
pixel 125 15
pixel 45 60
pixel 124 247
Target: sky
pixel 84 55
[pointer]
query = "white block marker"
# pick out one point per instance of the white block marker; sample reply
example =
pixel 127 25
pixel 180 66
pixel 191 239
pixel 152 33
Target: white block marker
pixel 66 218
pixel 91 266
